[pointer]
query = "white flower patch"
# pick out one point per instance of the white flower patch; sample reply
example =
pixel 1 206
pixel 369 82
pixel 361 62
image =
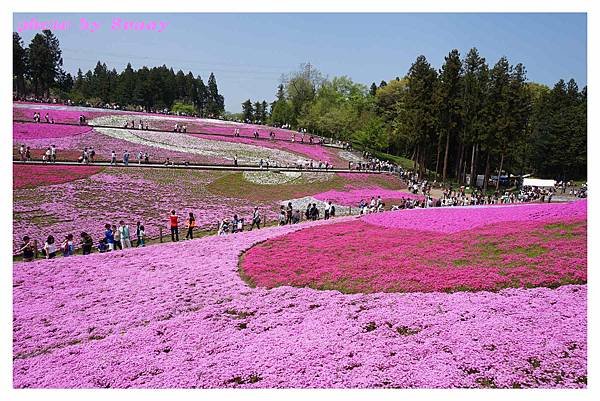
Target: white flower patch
pixel 349 156
pixel 271 177
pixel 285 177
pixel 180 142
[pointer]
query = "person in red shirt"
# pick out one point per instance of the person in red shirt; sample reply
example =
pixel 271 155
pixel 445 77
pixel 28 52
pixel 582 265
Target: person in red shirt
pixel 173 222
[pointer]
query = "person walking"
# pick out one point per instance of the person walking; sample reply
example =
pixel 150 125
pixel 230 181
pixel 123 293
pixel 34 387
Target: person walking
pixel 113 158
pixel 126 158
pixel 53 153
pixel 255 219
pixel 190 224
pixel 173 223
pixel 282 216
pixel 288 213
pixel 124 234
pixel 139 234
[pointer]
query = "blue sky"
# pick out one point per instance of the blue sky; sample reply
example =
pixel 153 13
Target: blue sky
pixel 249 52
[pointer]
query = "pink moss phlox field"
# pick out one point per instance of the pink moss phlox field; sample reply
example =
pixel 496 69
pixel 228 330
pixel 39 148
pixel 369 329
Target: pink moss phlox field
pixel 179 315
pixel 351 196
pixel 29 176
pixel 60 114
pixel 454 219
pixel 133 194
pixel 359 257
pixel 31 131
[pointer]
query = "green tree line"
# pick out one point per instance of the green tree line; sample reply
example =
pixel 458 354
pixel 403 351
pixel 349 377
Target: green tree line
pixel 37 71
pixel 455 123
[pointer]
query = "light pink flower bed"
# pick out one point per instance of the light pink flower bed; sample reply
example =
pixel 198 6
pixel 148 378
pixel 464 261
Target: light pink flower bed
pixel 29 176
pixel 60 114
pixel 454 219
pixel 178 315
pixel 30 131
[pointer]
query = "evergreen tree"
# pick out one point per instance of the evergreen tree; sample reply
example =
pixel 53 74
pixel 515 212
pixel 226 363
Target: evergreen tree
pixel 20 65
pixel 420 112
pixel 449 105
pixel 264 112
pixel 45 62
pixel 215 104
pixel 475 84
pixel 258 112
pixel 126 84
pixel 201 96
pixel 247 111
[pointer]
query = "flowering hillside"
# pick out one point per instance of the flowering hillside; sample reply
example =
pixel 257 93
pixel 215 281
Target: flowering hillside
pixel 179 315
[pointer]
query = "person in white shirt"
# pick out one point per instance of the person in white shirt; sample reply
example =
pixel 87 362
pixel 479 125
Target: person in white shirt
pixel 125 235
pixel 327 210
pixel 50 247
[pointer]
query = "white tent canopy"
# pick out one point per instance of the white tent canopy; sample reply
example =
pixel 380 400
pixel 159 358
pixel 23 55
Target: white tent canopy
pixel 538 182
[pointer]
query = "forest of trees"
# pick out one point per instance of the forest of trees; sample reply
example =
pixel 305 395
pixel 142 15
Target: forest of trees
pixel 466 119
pixel 38 72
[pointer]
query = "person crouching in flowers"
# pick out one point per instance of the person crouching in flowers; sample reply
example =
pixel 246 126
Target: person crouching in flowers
pixel 86 243
pixel 102 246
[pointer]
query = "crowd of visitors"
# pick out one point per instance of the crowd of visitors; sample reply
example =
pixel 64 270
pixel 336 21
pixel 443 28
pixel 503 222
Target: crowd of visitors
pixel 373 164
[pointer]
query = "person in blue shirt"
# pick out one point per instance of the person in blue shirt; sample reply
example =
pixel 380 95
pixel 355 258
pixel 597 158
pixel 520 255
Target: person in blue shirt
pixel 109 237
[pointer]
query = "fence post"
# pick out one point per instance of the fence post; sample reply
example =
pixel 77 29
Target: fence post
pixel 161 234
